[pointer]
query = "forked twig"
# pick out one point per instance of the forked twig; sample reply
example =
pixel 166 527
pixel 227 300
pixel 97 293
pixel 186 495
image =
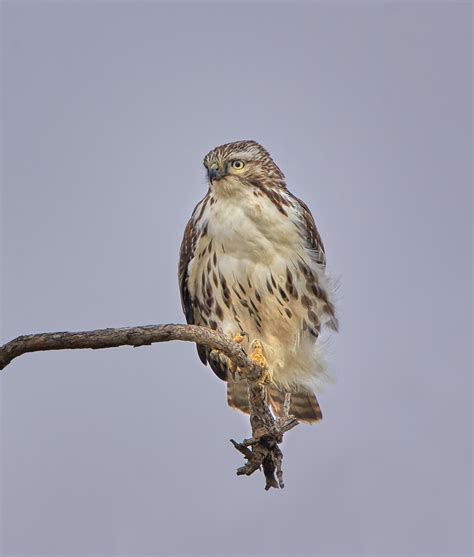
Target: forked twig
pixel 262 451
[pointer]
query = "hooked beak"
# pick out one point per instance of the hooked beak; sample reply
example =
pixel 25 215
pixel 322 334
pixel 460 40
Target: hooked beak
pixel 215 174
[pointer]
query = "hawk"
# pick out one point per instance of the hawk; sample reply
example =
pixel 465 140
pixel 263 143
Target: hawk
pixel 252 265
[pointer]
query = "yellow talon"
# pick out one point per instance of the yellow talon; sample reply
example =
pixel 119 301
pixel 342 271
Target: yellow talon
pixel 267 377
pixel 238 338
pixel 225 360
pixel 257 357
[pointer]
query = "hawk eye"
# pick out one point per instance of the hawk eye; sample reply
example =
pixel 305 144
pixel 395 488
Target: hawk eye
pixel 238 165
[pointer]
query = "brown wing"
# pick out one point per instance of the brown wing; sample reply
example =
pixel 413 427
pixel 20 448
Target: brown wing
pixel 315 245
pixel 310 232
pixel 186 255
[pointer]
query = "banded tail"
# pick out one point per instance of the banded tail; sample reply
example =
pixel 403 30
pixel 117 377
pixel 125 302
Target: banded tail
pixel 304 405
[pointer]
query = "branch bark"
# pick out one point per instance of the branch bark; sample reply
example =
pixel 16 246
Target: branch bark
pixel 261 451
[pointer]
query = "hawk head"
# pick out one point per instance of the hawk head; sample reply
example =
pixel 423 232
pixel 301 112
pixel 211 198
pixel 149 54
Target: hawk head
pixel 242 164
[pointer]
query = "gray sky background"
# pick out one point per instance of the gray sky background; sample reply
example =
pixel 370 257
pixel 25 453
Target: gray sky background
pixel 108 109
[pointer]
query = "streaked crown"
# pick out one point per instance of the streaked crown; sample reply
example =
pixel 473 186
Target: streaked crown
pixel 262 165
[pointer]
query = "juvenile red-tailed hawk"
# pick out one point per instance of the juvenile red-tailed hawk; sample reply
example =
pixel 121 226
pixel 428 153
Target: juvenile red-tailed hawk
pixel 252 265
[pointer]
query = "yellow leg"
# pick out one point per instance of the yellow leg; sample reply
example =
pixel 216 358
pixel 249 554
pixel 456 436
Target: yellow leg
pixel 238 338
pixel 256 355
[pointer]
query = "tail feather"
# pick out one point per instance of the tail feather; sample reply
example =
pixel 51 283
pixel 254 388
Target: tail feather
pixel 238 395
pixel 304 405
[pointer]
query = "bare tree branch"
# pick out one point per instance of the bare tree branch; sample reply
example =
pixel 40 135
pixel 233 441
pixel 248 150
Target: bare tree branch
pixel 261 451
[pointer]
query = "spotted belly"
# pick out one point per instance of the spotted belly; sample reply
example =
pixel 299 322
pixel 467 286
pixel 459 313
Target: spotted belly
pixel 281 304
